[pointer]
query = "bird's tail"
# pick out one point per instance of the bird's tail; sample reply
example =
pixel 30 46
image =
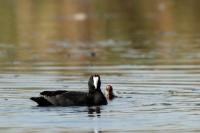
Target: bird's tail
pixel 41 101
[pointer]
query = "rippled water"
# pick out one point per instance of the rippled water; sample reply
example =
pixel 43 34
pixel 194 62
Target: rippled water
pixel 149 50
pixel 151 99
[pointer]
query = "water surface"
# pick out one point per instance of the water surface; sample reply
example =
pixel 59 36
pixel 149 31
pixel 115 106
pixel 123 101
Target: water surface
pixel 148 51
pixel 151 98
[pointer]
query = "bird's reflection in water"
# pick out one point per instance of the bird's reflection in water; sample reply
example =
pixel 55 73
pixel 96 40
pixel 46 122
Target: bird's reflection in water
pixel 96 131
pixel 94 111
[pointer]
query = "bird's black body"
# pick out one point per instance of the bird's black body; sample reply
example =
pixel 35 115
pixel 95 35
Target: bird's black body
pixel 74 98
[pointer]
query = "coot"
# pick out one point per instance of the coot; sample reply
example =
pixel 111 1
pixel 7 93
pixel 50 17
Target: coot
pixel 109 92
pixel 93 97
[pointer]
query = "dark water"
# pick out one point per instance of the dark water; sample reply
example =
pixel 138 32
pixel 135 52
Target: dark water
pixel 149 50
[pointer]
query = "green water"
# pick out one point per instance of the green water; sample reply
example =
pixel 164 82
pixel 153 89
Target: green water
pixel 99 32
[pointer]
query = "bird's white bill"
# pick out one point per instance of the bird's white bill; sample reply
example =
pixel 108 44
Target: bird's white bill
pixel 95 79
